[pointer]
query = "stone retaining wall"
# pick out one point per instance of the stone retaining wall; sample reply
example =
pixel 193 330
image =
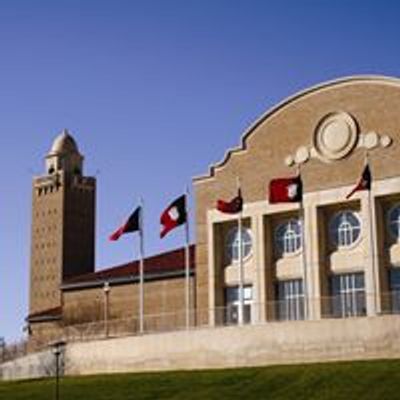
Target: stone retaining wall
pixel 228 347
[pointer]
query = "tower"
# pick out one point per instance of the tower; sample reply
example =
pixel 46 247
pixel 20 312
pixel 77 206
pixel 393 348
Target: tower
pixel 63 224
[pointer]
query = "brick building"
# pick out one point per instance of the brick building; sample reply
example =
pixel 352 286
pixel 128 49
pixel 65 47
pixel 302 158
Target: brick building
pixel 328 257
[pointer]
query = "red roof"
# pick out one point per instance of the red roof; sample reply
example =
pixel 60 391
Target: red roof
pixel 164 263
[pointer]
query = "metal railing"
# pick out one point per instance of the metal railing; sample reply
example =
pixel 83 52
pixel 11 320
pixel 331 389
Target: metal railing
pixel 346 305
pixel 11 351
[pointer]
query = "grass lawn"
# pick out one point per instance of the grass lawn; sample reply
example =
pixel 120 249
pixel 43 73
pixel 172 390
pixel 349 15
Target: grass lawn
pixel 366 380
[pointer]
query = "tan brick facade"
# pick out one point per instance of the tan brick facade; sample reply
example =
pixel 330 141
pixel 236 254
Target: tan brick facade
pixel 164 305
pixel 326 133
pixel 283 134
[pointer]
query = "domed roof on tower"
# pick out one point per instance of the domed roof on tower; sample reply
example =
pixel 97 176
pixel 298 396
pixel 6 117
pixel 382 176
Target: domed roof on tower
pixel 64 155
pixel 64 143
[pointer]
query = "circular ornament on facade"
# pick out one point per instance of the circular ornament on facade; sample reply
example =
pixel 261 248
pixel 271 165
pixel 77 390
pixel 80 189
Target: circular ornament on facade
pixel 386 141
pixel 371 140
pixel 335 136
pixel 302 155
pixel 289 161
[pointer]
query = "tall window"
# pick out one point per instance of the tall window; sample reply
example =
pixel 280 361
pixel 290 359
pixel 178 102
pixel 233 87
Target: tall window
pixel 348 295
pixel 232 244
pixel 394 222
pixel 345 228
pixel 394 278
pixel 288 237
pixel 290 296
pixel 232 304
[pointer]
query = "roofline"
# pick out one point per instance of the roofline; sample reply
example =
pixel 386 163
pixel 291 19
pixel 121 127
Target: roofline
pixel 43 318
pixel 123 280
pixel 282 104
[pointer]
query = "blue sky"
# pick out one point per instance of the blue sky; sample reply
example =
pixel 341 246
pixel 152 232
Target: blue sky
pixel 154 92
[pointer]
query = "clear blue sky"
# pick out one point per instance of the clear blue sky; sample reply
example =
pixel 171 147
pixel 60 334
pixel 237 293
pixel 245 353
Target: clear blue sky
pixel 154 92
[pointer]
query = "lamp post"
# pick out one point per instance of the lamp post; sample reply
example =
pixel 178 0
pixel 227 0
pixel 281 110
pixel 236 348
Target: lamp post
pixel 57 351
pixel 106 290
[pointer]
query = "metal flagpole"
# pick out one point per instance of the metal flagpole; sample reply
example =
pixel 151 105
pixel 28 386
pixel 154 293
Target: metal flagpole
pixel 187 262
pixel 371 238
pixel 141 269
pixel 240 254
pixel 303 251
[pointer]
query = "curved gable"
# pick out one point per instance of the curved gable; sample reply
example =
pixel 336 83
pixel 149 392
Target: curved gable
pixel 334 90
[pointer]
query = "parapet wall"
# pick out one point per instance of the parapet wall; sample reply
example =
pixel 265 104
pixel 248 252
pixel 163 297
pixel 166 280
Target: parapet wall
pixel 230 347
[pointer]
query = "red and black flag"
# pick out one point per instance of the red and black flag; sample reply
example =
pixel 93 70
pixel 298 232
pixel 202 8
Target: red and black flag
pixel 364 183
pixel 174 215
pixel 285 190
pixel 133 224
pixel 233 206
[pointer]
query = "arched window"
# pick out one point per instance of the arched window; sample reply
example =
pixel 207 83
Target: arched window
pixel 345 228
pixel 232 244
pixel 394 221
pixel 288 237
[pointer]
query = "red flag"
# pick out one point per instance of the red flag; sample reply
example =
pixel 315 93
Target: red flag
pixel 285 190
pixel 364 183
pixel 174 215
pixel 231 207
pixel 131 225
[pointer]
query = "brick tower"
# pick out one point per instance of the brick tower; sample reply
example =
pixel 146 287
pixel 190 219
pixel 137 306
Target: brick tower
pixel 63 224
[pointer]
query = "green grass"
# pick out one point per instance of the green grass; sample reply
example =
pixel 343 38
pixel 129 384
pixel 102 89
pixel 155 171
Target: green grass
pixel 367 380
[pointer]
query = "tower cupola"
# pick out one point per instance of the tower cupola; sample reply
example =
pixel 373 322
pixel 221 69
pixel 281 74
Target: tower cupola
pixel 64 155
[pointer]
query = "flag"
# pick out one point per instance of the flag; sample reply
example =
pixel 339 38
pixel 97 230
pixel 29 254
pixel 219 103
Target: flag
pixel 174 215
pixel 233 206
pixel 285 190
pixel 131 225
pixel 364 183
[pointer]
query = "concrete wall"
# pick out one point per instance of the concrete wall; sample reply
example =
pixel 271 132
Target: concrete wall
pixel 37 365
pixel 253 345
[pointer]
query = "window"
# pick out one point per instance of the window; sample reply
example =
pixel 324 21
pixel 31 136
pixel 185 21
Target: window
pixel 348 295
pixel 394 222
pixel 232 304
pixel 232 244
pixel 345 228
pixel 288 237
pixel 394 279
pixel 290 305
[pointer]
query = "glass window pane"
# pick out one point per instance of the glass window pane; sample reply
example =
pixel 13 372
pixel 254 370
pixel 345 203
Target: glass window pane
pixel 359 281
pixel 232 294
pixel 232 304
pixel 288 237
pixel 290 305
pixel 394 278
pixel 232 244
pixel 348 295
pixel 345 228
pixel 394 222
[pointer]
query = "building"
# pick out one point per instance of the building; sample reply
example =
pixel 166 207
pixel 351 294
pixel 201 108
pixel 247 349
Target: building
pixel 326 257
pixel 66 294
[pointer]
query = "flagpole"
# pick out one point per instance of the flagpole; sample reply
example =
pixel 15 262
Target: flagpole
pixel 372 238
pixel 303 251
pixel 187 263
pixel 141 269
pixel 240 254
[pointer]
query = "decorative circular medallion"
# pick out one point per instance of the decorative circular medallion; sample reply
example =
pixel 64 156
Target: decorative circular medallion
pixel 386 141
pixel 289 161
pixel 335 136
pixel 371 140
pixel 302 155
